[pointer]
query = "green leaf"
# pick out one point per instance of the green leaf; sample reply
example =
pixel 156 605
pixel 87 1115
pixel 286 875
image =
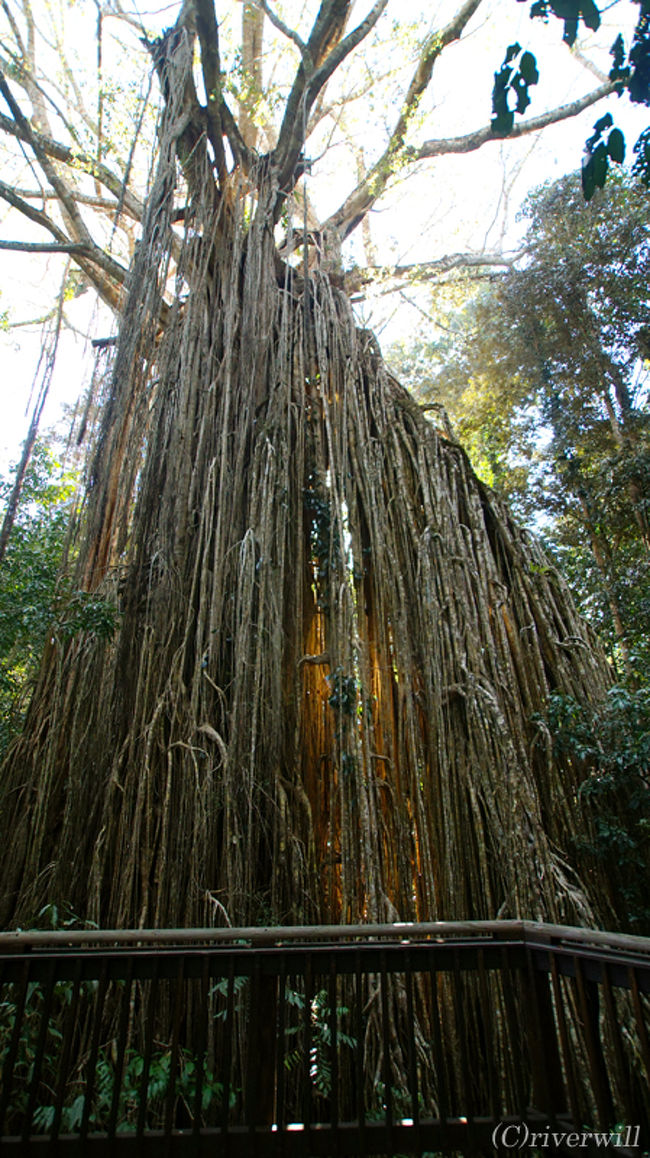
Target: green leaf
pixel 588 180
pixel 590 15
pixel 619 71
pixel 601 165
pixel 514 80
pixel 616 146
pixel 641 166
pixel 528 68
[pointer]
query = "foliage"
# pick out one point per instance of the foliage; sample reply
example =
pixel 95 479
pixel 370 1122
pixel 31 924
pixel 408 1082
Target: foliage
pixel 321 1017
pixel 106 1071
pixel 77 110
pixel 37 601
pixel 28 579
pixel 630 72
pixel 545 377
pixel 611 744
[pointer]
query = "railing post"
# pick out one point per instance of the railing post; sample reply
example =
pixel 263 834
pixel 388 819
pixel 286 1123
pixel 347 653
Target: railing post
pixel 262 1048
pixel 549 1093
pixel 588 1006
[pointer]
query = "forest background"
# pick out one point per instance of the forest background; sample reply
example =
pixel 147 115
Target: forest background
pixel 533 336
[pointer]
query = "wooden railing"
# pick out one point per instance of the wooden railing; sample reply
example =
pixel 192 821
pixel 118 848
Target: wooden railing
pixel 395 1039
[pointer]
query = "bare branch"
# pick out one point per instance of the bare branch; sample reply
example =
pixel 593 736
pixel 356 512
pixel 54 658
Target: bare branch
pixel 288 32
pixel 345 47
pixel 66 198
pixel 358 278
pixel 73 248
pixel 88 256
pixel 14 27
pixel 22 76
pixel 36 215
pixel 329 23
pixel 77 160
pixel 475 140
pixel 355 207
pixel 589 64
pixel 105 203
pixel 364 196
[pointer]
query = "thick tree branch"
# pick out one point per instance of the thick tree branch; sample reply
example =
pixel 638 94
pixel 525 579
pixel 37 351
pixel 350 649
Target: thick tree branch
pixel 208 32
pixel 36 215
pixel 361 200
pixel 252 32
pixel 88 256
pixel 20 74
pixel 327 50
pixel 329 23
pixel 475 140
pixel 358 278
pixel 68 204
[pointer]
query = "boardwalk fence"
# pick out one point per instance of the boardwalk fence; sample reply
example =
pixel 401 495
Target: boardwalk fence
pixel 351 1040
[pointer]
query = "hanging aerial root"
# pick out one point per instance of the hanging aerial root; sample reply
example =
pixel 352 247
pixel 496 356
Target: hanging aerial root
pixel 332 638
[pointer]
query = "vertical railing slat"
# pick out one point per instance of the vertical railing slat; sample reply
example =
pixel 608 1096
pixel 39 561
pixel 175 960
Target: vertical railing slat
pixel 621 1077
pixel 588 1007
pixel 488 1021
pixel 199 1071
pixel 102 987
pixel 280 1046
pixel 37 1064
pixel 467 1103
pixel 334 1052
pixel 170 1099
pixel 387 1060
pixel 150 1016
pixel 307 1039
pixel 12 1053
pixel 359 1051
pixel 568 1054
pixel 122 1033
pixel 641 1026
pixel 66 1049
pixel 252 1054
pixel 439 1060
pixel 414 1092
pixel 228 1037
pixel 518 1082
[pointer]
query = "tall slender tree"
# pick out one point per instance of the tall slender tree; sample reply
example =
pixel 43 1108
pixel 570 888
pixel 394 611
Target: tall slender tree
pixel 332 637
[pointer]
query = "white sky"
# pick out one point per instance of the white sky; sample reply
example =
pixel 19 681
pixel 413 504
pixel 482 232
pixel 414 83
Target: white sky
pixel 455 204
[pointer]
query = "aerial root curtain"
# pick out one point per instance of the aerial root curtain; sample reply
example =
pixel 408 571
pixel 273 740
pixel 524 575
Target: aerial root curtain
pixel 331 640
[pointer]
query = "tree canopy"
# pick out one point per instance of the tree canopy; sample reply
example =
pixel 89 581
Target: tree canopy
pixel 279 96
pixel 545 374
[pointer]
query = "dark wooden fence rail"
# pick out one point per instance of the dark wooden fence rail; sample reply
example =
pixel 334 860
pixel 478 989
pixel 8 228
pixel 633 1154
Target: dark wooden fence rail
pixel 363 1040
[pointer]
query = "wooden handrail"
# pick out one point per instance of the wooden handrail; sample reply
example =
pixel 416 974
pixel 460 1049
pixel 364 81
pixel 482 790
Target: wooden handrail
pixel 556 1019
pixel 527 932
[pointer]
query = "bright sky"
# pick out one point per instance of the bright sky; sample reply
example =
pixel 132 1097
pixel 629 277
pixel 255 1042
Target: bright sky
pixel 455 204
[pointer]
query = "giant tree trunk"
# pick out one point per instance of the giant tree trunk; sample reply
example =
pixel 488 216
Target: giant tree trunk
pixel 332 639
